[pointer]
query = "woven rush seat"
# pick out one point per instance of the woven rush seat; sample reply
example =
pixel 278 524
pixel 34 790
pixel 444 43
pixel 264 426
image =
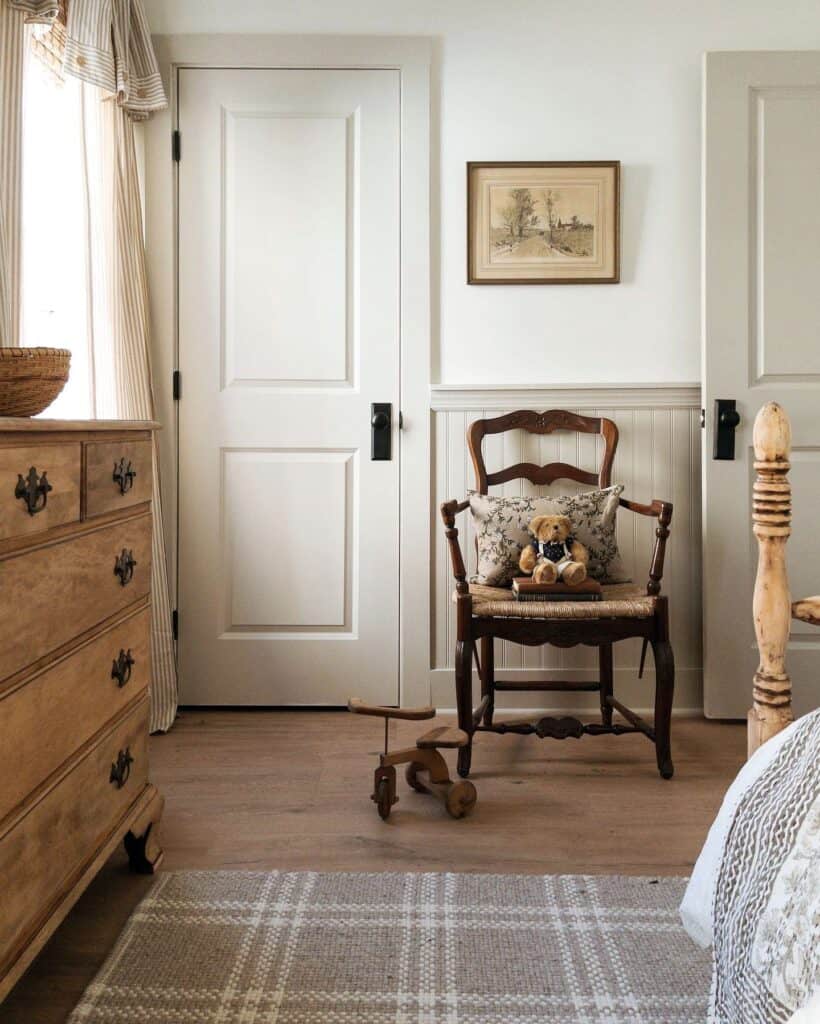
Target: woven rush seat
pixel 618 601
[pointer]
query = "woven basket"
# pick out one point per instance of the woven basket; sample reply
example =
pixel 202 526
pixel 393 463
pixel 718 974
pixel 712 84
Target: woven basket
pixel 31 378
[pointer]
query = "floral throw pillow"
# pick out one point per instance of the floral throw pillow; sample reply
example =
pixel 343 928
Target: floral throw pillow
pixel 501 528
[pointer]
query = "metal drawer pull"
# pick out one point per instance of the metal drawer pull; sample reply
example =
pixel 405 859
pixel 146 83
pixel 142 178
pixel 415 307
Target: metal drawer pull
pixel 33 490
pixel 124 475
pixel 121 667
pixel 124 566
pixel 122 768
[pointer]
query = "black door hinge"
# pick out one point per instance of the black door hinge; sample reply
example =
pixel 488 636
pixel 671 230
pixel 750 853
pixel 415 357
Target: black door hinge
pixel 703 417
pixel 177 385
pixel 175 623
pixel 176 146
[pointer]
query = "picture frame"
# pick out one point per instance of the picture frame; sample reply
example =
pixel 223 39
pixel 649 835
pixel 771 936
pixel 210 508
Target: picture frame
pixel 543 222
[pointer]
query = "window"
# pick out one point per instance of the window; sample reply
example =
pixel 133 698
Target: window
pixel 55 298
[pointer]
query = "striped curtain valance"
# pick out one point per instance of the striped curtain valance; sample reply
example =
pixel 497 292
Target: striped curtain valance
pixel 42 11
pixel 106 43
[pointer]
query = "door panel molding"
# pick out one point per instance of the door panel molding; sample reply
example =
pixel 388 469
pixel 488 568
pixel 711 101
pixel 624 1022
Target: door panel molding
pixel 333 368
pixel 308 475
pixel 775 230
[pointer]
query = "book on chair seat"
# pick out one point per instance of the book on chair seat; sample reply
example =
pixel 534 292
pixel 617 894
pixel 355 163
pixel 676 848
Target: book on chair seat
pixel 524 588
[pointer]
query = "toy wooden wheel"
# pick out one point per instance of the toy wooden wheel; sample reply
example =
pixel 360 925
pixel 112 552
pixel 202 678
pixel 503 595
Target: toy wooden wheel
pixel 383 798
pixel 411 774
pixel 461 799
pixel 384 790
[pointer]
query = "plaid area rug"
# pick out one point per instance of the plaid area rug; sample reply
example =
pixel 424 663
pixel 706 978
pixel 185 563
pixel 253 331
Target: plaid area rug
pixel 258 948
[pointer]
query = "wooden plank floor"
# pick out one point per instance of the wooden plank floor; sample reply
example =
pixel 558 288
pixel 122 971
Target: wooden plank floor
pixel 259 790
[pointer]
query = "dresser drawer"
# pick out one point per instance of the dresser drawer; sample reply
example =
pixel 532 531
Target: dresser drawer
pixel 47 719
pixel 47 849
pixel 28 503
pixel 53 593
pixel 118 474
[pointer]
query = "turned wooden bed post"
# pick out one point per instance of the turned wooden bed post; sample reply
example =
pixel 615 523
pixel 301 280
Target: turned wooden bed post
pixel 771 515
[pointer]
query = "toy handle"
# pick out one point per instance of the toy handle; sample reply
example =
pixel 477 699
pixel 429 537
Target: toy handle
pixel 359 707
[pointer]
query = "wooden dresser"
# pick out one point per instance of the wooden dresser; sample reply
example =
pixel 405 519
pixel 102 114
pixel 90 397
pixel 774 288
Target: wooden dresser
pixel 75 596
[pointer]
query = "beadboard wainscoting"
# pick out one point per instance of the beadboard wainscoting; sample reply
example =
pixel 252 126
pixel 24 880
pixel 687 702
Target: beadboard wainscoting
pixel 658 457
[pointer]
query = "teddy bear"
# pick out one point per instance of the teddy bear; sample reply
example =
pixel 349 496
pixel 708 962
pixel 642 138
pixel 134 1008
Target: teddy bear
pixel 554 554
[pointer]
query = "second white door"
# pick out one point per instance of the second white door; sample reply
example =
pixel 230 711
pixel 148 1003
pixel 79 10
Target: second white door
pixel 761 342
pixel 288 332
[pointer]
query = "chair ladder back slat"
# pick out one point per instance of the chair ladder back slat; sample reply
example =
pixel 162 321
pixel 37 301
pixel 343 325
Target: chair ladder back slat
pixel 542 423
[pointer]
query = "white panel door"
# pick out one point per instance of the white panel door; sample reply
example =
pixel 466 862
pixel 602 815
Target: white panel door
pixel 761 343
pixel 288 331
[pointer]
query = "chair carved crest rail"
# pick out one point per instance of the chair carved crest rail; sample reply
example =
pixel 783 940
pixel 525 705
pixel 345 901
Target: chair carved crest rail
pixel 480 620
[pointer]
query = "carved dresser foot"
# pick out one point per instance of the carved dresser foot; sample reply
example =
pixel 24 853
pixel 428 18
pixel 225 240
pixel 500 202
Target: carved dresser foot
pixel 142 840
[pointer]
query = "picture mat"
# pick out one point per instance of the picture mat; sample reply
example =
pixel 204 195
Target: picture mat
pixel 588 192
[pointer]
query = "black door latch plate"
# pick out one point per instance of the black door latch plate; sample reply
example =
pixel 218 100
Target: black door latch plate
pixel 726 419
pixel 381 431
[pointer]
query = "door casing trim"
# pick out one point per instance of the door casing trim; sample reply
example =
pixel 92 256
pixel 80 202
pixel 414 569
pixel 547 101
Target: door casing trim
pixel 411 57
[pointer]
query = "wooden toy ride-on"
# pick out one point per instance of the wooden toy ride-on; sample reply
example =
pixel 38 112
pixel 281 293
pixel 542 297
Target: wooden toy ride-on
pixel 458 797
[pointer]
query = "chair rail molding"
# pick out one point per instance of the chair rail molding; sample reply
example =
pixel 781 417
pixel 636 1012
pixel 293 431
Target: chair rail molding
pixel 658 457
pixel 581 396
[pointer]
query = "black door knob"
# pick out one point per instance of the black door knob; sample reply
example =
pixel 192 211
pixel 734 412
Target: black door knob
pixel 379 420
pixel 730 418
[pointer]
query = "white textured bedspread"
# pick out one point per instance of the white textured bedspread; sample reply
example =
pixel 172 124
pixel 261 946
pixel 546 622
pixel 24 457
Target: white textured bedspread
pixel 765 891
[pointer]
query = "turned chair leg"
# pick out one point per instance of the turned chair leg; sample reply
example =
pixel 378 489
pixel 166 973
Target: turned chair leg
pixel 464 701
pixel 605 676
pixel 488 678
pixel 664 694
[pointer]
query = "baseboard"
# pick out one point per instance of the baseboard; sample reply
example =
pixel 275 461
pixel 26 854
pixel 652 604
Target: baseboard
pixel 637 694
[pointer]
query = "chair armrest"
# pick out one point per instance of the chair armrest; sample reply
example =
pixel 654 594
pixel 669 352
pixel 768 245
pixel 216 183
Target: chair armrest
pixel 449 511
pixel 807 610
pixel 662 511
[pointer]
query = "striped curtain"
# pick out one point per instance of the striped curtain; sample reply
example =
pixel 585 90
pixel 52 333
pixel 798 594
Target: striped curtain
pixel 120 333
pixel 12 48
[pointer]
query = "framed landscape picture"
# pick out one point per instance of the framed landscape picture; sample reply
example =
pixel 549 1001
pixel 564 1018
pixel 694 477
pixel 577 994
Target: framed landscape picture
pixel 543 223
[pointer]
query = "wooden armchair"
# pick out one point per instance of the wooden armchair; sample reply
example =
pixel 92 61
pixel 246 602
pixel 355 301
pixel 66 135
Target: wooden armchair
pixel 484 614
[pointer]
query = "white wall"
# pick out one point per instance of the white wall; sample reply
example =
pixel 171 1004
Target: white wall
pixel 537 79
